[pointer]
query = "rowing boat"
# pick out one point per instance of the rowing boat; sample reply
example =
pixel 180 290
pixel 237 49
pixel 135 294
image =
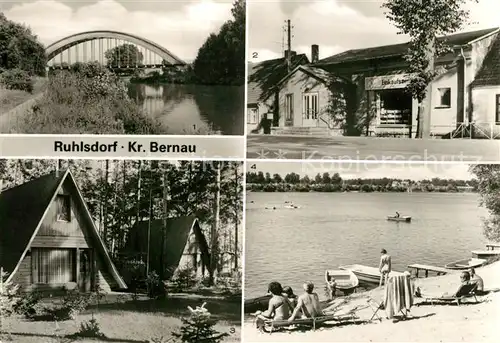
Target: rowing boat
pixel 366 273
pixel 406 219
pixel 466 263
pixel 346 280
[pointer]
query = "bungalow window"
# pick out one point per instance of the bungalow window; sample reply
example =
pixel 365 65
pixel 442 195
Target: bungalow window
pixel 289 107
pixel 444 97
pixel 63 207
pixel 53 266
pixel 497 109
pixel 253 116
pixel 310 105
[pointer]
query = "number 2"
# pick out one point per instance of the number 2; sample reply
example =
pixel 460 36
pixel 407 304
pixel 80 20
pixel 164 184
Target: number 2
pixel 255 55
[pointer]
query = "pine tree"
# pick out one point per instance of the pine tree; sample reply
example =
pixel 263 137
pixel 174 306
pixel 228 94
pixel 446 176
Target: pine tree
pixel 199 328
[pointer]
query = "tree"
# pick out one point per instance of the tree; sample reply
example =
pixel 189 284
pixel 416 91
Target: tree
pixel 125 55
pixel 20 49
pixel 424 21
pixel 488 185
pixel 221 59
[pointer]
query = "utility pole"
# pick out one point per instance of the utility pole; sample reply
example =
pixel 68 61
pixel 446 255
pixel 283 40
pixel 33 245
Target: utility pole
pixel 289 44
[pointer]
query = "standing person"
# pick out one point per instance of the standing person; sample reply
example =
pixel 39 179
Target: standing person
pixel 385 266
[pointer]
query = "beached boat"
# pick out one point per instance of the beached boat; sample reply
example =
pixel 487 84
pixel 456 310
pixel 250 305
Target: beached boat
pixel 257 304
pixel 466 263
pixel 346 280
pixel 406 219
pixel 366 273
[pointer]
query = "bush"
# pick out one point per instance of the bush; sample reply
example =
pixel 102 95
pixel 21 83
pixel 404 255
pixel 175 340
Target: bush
pixel 155 286
pixel 88 99
pixel 90 328
pixel 72 305
pixel 28 305
pixel 184 279
pixel 17 79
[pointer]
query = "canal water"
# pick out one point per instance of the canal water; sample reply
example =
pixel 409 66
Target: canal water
pixel 333 229
pixel 186 108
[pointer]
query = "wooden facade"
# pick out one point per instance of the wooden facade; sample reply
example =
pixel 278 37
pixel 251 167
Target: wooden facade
pixel 65 251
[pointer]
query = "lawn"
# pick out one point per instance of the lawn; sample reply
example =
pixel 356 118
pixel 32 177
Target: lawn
pixel 124 319
pixel 12 98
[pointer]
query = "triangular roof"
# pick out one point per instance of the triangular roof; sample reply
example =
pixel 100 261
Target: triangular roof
pixel 489 74
pixel 22 210
pixel 397 50
pixel 315 72
pixel 263 76
pixel 176 238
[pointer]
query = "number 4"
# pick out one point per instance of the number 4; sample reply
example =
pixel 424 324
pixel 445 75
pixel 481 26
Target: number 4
pixel 253 166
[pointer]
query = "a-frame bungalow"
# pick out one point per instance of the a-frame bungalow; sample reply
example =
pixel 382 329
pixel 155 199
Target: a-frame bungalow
pixel 48 239
pixel 185 246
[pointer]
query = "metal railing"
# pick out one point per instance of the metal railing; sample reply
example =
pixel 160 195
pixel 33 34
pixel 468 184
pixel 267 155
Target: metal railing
pixel 473 130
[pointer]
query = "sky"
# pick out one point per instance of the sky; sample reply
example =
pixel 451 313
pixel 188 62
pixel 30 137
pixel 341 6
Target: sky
pixel 335 25
pixel 180 26
pixel 365 170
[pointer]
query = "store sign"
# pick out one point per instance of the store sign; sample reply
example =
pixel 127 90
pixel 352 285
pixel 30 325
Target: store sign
pixel 387 81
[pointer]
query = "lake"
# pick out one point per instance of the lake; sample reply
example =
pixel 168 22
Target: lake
pixel 332 229
pixel 184 108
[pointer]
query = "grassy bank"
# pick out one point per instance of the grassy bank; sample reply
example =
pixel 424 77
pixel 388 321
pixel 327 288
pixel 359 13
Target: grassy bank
pixel 122 319
pixel 9 98
pixel 474 322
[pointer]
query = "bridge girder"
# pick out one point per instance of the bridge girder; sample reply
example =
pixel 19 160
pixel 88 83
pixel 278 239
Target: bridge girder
pixel 67 42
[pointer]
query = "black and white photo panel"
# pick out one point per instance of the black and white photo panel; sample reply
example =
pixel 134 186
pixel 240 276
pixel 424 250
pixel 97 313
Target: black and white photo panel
pixel 120 250
pixel 373 80
pixel 359 252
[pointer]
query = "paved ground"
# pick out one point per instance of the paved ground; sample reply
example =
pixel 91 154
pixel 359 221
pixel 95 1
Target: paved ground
pixel 369 148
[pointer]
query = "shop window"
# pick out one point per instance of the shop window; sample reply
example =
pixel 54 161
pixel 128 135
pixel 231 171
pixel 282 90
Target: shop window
pixel 497 110
pixel 253 115
pixel 310 105
pixel 395 107
pixel 444 97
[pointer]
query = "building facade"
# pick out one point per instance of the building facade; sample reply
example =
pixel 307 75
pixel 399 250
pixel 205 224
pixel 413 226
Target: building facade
pixel 465 96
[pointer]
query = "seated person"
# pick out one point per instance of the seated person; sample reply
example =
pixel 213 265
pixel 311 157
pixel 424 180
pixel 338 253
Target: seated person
pixel 288 292
pixel 279 307
pixel 464 280
pixel 307 303
pixel 477 280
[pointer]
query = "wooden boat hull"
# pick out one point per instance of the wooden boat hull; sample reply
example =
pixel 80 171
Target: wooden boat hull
pixel 346 280
pixel 366 274
pixel 466 264
pixel 256 304
pixel 405 219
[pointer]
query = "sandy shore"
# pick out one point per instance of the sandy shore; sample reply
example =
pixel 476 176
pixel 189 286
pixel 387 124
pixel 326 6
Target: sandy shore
pixel 426 323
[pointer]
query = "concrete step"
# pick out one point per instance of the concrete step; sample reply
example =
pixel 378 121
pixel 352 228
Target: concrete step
pixel 305 131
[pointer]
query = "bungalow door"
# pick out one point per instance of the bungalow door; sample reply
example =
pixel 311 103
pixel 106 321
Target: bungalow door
pixel 85 270
pixel 289 109
pixel 310 109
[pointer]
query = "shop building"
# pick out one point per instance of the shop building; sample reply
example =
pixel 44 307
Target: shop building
pixel 465 97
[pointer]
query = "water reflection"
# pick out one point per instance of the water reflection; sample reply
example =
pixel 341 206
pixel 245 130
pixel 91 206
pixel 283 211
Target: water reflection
pixel 184 108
